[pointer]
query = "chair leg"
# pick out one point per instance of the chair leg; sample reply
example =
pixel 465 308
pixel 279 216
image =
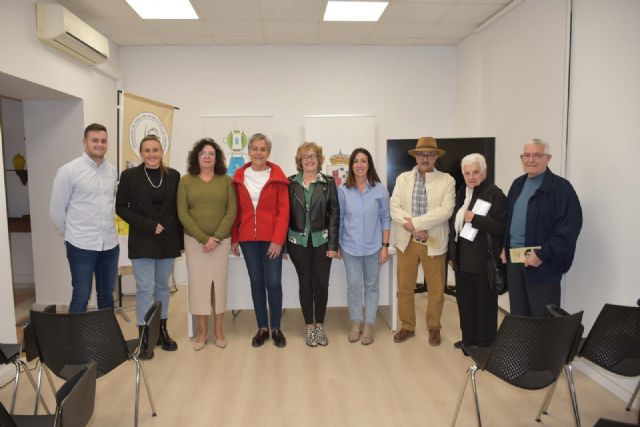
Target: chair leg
pixel 138 366
pixel 568 370
pixel 16 381
pixel 146 384
pixel 547 400
pixel 464 387
pixel 35 388
pixel 633 397
pixel 49 379
pixel 474 386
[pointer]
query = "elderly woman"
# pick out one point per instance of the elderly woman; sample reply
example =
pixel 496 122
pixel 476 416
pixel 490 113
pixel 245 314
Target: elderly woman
pixel 365 222
pixel 313 237
pixel 146 200
pixel 207 209
pixel 468 252
pixel 260 230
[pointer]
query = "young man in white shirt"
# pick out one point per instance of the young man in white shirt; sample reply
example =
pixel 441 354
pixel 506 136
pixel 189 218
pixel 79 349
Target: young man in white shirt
pixel 82 210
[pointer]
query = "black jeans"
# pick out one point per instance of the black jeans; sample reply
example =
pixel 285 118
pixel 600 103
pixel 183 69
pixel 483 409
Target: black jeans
pixel 528 299
pixel 478 308
pixel 313 268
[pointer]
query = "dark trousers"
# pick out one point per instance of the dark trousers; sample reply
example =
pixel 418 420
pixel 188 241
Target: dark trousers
pixel 478 308
pixel 527 299
pixel 84 264
pixel 313 268
pixel 265 275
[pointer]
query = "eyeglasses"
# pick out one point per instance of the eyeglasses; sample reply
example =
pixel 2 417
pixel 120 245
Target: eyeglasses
pixel 427 155
pixel 309 157
pixel 207 154
pixel 535 156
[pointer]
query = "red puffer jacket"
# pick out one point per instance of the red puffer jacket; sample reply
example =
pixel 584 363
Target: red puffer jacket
pixel 271 217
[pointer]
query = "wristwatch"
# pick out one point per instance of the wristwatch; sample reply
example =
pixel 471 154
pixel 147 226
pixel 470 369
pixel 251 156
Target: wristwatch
pixel 385 244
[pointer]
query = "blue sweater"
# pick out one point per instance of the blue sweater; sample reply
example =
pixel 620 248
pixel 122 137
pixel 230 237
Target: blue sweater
pixel 554 220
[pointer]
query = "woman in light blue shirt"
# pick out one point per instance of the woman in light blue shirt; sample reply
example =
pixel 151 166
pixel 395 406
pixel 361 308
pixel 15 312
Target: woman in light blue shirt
pixel 365 222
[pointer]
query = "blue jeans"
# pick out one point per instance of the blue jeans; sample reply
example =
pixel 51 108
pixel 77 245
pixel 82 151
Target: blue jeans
pixel 83 265
pixel 362 272
pixel 265 275
pixel 152 284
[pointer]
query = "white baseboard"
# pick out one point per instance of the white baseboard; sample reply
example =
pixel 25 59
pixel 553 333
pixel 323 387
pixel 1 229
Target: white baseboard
pixel 606 380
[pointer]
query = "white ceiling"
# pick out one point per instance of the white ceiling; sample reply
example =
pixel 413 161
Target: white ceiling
pixel 288 22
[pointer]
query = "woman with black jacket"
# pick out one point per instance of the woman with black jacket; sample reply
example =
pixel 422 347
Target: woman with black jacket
pixel 313 236
pixel 469 251
pixel 146 200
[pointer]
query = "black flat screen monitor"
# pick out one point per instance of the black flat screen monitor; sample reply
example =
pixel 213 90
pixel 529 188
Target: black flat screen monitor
pixel 399 160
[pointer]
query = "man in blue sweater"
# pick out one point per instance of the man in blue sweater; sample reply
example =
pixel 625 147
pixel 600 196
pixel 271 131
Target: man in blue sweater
pixel 544 222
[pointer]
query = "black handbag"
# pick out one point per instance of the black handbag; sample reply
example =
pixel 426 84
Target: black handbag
pixel 496 270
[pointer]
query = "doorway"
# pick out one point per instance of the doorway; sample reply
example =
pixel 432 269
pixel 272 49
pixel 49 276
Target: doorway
pixel 18 208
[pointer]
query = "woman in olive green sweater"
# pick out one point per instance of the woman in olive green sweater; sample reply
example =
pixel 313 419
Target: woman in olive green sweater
pixel 207 209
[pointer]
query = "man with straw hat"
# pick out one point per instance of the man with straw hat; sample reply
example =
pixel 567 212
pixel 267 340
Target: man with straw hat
pixel 422 202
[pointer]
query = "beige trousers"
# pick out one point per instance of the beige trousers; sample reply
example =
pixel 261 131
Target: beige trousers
pixel 434 268
pixel 207 275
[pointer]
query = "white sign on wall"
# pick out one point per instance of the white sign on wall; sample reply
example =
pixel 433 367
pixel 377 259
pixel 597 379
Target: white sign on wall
pixel 232 133
pixel 339 136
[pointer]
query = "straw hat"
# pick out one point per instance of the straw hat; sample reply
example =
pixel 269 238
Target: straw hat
pixel 426 143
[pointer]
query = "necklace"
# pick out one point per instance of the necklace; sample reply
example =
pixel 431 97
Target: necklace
pixel 149 179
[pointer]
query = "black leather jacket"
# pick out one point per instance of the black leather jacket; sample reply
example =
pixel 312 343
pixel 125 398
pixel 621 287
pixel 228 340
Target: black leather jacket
pixel 324 210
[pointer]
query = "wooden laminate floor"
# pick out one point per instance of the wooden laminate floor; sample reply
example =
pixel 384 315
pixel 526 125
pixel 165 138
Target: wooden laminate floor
pixel 343 384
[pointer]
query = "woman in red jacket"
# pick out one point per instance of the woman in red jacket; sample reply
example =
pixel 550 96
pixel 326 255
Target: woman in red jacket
pixel 260 230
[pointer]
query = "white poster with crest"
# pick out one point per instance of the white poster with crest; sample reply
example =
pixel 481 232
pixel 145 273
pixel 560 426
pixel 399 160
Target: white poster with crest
pixel 339 135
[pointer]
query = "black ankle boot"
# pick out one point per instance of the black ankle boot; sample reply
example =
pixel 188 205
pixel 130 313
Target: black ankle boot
pixel 146 352
pixel 164 339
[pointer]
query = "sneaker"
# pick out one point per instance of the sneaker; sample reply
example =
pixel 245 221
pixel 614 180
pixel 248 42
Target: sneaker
pixel 320 335
pixel 434 337
pixel 354 333
pixel 310 336
pixel 367 335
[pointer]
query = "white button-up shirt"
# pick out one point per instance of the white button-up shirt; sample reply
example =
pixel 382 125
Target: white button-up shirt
pixel 82 203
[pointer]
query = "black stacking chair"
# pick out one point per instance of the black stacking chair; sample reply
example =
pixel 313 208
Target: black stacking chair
pixel 69 341
pixel 555 311
pixel 613 344
pixel 10 355
pixel 74 404
pixel 30 348
pixel 527 352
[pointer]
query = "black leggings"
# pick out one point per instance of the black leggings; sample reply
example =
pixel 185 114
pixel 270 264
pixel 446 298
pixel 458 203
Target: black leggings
pixel 313 268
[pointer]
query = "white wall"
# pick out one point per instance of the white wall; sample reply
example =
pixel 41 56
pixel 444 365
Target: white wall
pixel 25 57
pixel 603 153
pixel 12 144
pixel 409 89
pixel 511 83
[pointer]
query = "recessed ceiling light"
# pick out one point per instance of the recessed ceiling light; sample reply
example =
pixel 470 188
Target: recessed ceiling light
pixel 369 11
pixel 163 9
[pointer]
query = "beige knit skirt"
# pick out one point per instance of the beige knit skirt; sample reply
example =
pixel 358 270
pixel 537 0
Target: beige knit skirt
pixel 207 276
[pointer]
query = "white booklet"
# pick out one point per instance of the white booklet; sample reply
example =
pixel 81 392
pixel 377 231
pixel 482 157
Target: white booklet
pixel 480 208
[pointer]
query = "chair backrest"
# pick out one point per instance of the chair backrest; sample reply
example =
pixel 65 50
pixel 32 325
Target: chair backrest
pixel 76 399
pixel 69 341
pixel 152 323
pixel 614 340
pixel 29 344
pixel 554 310
pixel 4 360
pixel 5 418
pixel 529 352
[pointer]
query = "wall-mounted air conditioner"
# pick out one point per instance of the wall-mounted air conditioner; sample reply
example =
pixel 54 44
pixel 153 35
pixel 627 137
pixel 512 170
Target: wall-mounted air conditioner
pixel 63 30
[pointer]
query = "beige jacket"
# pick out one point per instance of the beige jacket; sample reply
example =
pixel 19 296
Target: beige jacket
pixel 441 196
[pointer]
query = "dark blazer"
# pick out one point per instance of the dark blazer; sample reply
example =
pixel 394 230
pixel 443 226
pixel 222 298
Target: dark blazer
pixel 133 205
pixel 472 257
pixel 554 220
pixel 324 211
